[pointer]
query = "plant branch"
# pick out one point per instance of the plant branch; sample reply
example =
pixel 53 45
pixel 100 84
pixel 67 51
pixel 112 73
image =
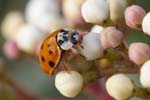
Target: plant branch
pixel 142 93
pixel 112 70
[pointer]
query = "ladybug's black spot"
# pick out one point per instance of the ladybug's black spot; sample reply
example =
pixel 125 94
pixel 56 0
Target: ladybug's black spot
pixel 51 51
pixel 49 45
pixel 42 46
pixel 43 59
pixel 51 64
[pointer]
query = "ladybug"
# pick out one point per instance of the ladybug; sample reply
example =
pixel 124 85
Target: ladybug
pixel 53 47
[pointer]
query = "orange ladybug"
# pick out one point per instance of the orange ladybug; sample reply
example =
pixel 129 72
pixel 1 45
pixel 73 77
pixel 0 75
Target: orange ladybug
pixel 53 46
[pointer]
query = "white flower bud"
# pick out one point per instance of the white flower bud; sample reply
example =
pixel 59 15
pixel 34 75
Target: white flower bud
pixel 97 29
pixel 117 8
pixel 120 87
pixel 37 7
pixel 71 9
pixel 146 24
pixel 145 74
pixel 95 11
pixel 27 38
pixel 69 84
pixel 56 22
pixel 92 48
pixel 11 24
pixel 42 13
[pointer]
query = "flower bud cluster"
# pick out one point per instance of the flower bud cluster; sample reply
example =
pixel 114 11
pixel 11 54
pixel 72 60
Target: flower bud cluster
pixel 111 20
pixel 100 11
pixel 26 30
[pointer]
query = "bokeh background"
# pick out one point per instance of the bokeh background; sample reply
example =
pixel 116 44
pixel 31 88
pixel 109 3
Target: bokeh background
pixel 26 71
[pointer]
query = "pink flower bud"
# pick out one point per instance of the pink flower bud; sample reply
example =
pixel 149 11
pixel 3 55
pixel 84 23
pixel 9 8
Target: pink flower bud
pixel 134 16
pixel 139 52
pixel 11 50
pixel 111 37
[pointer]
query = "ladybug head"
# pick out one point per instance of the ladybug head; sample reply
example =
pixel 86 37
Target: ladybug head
pixel 66 39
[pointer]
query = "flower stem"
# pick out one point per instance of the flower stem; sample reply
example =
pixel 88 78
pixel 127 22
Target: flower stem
pixel 142 93
pixel 112 70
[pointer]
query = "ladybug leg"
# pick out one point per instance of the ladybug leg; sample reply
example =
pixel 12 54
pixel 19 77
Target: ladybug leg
pixel 65 67
pixel 63 62
pixel 73 51
pixel 78 47
pixel 70 52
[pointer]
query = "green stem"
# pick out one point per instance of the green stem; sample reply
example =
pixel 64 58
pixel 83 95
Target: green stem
pixel 142 93
pixel 111 71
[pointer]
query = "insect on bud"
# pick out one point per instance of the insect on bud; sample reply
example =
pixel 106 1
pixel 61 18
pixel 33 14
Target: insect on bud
pixel 120 87
pixel 117 8
pixel 134 16
pixel 144 74
pixel 146 24
pixel 95 11
pixel 139 52
pixel 111 37
pixel 69 84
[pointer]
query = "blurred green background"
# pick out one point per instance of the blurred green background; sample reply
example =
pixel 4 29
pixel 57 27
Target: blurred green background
pixel 26 71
